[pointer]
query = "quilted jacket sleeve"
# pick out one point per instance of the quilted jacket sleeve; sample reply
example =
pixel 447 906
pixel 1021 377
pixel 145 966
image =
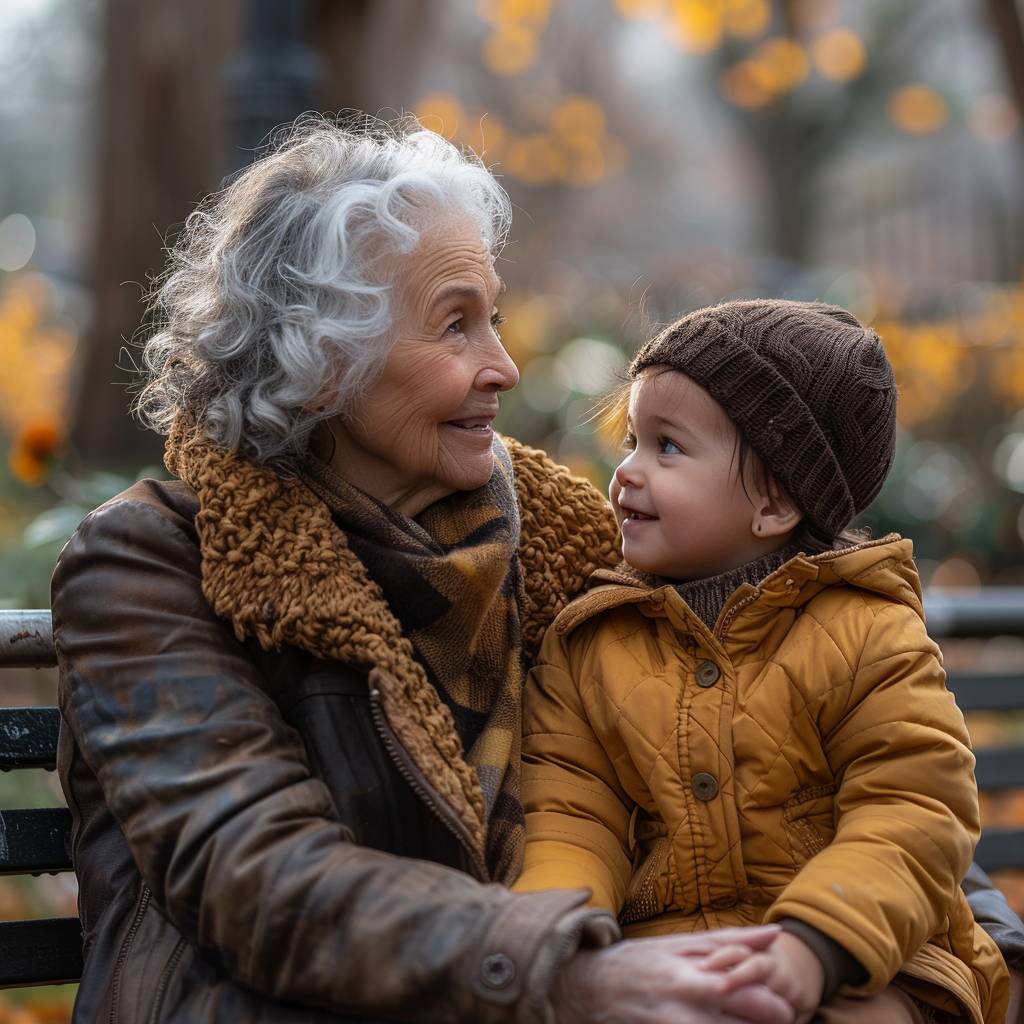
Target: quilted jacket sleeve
pixel 906 805
pixel 577 815
pixel 237 840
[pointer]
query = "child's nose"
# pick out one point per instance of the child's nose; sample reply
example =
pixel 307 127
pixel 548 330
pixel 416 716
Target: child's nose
pixel 627 473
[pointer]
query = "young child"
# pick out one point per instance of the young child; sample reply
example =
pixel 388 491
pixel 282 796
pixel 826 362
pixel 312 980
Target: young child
pixel 748 722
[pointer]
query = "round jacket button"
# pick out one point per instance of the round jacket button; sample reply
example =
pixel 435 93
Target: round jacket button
pixel 708 673
pixel 705 786
pixel 497 970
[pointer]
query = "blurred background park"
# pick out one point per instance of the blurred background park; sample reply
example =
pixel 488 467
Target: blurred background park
pixel 661 155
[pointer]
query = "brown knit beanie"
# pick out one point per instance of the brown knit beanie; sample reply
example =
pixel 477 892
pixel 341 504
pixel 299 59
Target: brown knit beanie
pixel 809 388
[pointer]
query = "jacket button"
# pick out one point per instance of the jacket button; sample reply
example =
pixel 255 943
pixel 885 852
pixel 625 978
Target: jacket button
pixel 497 970
pixel 708 674
pixel 705 786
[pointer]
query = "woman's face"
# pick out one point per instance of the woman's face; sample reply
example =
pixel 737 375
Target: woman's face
pixel 422 430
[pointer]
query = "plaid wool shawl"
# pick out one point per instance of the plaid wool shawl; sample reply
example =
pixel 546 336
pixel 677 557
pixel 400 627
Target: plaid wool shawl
pixel 452 579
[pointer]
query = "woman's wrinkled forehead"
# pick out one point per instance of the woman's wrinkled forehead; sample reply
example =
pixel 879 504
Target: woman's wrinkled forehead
pixel 452 254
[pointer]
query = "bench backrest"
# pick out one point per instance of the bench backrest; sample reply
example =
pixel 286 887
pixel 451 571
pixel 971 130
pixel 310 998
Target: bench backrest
pixel 33 841
pixel 37 841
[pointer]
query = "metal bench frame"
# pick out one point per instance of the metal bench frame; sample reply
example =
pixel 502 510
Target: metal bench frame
pixel 38 840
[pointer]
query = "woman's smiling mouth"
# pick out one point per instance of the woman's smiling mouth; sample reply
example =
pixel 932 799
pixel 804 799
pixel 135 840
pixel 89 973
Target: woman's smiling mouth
pixel 473 426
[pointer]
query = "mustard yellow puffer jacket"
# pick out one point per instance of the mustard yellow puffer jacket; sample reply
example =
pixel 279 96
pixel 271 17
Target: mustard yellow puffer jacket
pixel 803 760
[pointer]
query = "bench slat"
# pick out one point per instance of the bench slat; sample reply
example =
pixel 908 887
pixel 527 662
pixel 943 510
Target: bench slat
pixel 1000 848
pixel 44 952
pixel 977 691
pixel 35 841
pixel 991 611
pixel 1000 768
pixel 28 738
pixel 26 638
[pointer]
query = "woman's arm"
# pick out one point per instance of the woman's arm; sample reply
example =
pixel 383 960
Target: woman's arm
pixel 237 840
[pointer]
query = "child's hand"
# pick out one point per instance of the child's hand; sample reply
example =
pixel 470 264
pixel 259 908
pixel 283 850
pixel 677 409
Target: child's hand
pixel 787 967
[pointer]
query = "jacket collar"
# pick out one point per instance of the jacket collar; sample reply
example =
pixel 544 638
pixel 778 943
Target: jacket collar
pixel 884 566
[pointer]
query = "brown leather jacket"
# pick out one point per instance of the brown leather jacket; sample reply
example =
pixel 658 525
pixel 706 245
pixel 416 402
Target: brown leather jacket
pixel 248 848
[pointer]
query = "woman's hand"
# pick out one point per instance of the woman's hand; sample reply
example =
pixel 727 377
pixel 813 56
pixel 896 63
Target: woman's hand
pixel 664 981
pixel 789 968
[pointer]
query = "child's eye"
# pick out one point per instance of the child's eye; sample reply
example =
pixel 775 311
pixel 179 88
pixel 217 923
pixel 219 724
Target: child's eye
pixel 629 442
pixel 668 447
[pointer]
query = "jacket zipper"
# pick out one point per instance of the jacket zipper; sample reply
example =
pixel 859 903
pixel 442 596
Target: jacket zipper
pixel 422 788
pixel 165 977
pixel 126 945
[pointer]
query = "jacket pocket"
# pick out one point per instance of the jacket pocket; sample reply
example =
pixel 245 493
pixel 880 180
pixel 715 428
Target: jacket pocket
pixel 146 966
pixel 646 895
pixel 808 817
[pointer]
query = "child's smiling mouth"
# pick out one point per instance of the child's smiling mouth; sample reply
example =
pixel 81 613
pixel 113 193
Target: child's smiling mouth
pixel 634 516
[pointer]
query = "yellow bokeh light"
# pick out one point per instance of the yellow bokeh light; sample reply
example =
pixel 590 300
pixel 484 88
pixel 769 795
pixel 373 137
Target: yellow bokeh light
pixel 840 55
pixel 697 25
pixel 578 118
pixel 741 84
pixel 503 12
pixel 636 9
pixel 782 62
pixel 490 137
pixel 588 166
pixel 36 355
pixel 993 118
pixel 746 19
pixel 441 112
pixel 511 50
pixel 917 109
pixel 535 159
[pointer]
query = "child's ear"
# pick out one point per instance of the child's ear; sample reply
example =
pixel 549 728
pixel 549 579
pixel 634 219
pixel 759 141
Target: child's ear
pixel 775 512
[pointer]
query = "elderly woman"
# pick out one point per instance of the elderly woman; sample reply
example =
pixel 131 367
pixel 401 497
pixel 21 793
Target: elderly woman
pixel 290 678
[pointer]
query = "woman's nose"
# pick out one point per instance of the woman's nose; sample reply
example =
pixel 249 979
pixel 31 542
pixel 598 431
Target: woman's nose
pixel 499 373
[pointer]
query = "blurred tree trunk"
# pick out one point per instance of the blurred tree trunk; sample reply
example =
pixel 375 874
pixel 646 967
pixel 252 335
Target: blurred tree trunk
pixel 1006 20
pixel 161 148
pixel 174 101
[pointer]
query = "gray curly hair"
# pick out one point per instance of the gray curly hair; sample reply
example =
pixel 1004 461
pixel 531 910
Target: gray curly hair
pixel 276 308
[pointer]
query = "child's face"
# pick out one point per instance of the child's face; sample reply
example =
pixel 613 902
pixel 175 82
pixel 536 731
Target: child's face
pixel 678 495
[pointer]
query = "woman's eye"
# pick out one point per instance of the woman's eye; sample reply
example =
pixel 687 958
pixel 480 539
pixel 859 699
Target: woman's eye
pixel 455 327
pixel 669 447
pixel 497 320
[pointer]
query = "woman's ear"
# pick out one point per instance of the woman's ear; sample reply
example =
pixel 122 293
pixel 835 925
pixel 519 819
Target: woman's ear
pixel 775 512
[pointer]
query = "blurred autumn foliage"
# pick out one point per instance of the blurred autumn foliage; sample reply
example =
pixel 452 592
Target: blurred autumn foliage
pixel 661 155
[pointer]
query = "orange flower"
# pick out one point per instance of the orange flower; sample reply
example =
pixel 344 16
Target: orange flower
pixel 33 452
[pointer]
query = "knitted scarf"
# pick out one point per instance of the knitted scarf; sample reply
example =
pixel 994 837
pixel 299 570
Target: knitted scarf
pixel 278 567
pixel 452 579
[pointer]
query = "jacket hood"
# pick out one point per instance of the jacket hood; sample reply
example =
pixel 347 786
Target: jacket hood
pixel 884 567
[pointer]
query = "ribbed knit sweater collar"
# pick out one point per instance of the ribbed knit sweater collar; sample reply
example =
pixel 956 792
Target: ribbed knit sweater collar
pixel 707 596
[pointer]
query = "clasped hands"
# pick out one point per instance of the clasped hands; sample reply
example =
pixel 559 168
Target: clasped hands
pixel 733 975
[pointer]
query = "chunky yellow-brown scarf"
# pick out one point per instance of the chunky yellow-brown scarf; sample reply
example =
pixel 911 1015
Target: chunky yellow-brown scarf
pixel 277 565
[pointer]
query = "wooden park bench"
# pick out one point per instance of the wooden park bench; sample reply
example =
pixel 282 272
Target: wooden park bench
pixel 38 841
